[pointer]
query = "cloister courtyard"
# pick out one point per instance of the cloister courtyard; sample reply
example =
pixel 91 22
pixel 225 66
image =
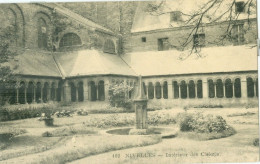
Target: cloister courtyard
pixel 83 139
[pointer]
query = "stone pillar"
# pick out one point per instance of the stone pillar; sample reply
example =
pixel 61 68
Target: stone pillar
pixel 66 92
pixel 77 93
pixel 41 99
pixel 162 91
pixel 224 89
pixel 170 90
pixel 233 89
pixel 154 93
pixel 205 88
pixel 85 88
pixel 34 93
pixel 188 91
pixel 215 89
pixel 243 87
pixel 97 98
pixel 196 89
pixel 48 93
pixel 17 95
pixel 106 85
pixel 55 94
pixel 25 93
pixel 179 84
pixel 147 95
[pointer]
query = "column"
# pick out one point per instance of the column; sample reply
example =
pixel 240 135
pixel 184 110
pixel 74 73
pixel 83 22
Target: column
pixel 196 89
pixel 170 90
pixel 205 88
pixel 17 95
pixel 215 88
pixel 162 91
pixel 224 89
pixel 49 93
pixel 147 95
pixel 179 84
pixel 85 88
pixel 106 85
pixel 55 94
pixel 34 93
pixel 25 93
pixel 188 92
pixel 41 99
pixel 154 93
pixel 233 87
pixel 243 87
pixel 77 93
pixel 66 92
pixel 97 98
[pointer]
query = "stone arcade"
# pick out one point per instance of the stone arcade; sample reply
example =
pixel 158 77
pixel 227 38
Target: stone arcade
pixel 85 58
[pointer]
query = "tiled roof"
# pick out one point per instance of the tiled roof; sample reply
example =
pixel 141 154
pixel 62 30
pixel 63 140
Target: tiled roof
pixel 92 62
pixel 35 63
pixel 214 59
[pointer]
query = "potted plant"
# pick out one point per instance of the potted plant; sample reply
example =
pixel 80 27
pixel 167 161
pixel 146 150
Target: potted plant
pixel 48 120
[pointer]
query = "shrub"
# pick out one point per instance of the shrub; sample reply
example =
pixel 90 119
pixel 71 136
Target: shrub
pixel 256 142
pixel 202 123
pixel 118 95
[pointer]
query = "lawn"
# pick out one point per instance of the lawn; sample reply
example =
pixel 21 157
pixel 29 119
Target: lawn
pixel 79 139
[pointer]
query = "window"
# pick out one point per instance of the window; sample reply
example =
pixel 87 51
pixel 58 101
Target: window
pixel 150 90
pixel 237 87
pixel 42 34
pixel 101 90
pixel 199 40
pixel 219 89
pixel 176 89
pixel 199 89
pixel 240 7
pixel 238 34
pixel 165 90
pixel 192 89
pixel 183 90
pixel 211 88
pixel 143 39
pixel 158 90
pixel 109 47
pixel 228 88
pixel 176 16
pixel 80 91
pixel 70 39
pixel 250 87
pixel 163 44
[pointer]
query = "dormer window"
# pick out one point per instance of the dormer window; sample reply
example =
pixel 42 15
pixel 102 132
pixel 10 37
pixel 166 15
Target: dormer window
pixel 176 16
pixel 240 7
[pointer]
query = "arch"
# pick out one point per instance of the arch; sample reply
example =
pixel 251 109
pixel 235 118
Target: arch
pixel 250 87
pixel 192 93
pixel 199 89
pixel 20 23
pixel 150 90
pixel 70 39
pixel 237 87
pixel 73 92
pixel 93 91
pixel 53 90
pixel 59 91
pixel 101 90
pixel 158 90
pixel 30 92
pixel 42 29
pixel 183 86
pixel 80 91
pixel 45 92
pixel 165 90
pixel 219 89
pixel 211 88
pixel 38 92
pixel 176 89
pixel 22 93
pixel 228 88
pixel 109 47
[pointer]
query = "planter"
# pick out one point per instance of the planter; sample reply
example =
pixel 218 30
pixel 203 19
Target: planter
pixel 48 121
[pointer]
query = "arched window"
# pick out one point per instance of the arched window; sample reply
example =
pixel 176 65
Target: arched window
pixel 165 90
pixel 228 88
pixel 109 46
pixel 73 92
pixel 237 87
pixel 158 90
pixel 101 90
pixel 59 91
pixel 219 89
pixel 53 88
pixel 199 89
pixel 211 88
pixel 38 92
pixel 80 92
pixel 45 92
pixel 144 87
pixel 183 90
pixel 176 89
pixel 93 91
pixel 30 92
pixel 150 90
pixel 191 89
pixel 21 93
pixel 250 87
pixel 42 33
pixel 70 39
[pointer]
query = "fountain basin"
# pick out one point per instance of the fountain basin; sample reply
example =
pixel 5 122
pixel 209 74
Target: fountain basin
pixel 165 132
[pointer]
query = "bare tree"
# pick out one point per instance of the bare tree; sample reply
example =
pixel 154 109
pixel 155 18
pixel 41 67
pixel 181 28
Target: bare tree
pixel 212 11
